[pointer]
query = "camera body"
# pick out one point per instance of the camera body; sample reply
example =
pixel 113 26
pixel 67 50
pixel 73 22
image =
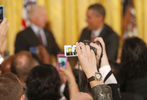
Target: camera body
pixel 86 42
pixel 70 50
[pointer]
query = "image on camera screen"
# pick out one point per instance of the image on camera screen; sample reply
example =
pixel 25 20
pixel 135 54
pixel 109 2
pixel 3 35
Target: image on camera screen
pixel 70 50
pixel 62 62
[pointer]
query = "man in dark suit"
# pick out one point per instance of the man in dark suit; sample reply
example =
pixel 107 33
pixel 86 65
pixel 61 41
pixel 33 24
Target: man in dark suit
pixel 97 28
pixel 35 34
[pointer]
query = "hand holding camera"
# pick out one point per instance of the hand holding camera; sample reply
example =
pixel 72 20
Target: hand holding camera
pixel 104 59
pixel 87 59
pixel 70 50
pixel 89 55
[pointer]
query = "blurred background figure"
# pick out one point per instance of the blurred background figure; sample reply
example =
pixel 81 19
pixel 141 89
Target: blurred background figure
pixel 22 64
pixel 97 28
pixel 35 34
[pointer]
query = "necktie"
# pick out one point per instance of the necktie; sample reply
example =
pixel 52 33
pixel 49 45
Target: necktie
pixel 40 38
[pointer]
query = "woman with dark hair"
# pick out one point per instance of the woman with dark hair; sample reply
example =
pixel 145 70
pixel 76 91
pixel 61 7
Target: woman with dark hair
pixel 43 83
pixel 134 67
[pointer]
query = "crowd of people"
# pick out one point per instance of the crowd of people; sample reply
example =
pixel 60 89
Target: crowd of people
pixel 29 74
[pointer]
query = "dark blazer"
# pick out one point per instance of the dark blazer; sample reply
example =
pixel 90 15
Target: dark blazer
pixel 27 38
pixel 110 38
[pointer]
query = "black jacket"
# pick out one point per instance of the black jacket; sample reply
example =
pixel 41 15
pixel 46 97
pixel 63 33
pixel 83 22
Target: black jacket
pixel 27 38
pixel 110 38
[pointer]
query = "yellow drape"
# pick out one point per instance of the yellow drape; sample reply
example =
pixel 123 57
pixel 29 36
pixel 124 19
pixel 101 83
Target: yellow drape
pixel 13 14
pixel 67 17
pixel 141 17
pixel 113 13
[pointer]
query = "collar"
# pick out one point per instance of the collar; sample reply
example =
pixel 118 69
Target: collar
pixel 35 28
pixel 98 31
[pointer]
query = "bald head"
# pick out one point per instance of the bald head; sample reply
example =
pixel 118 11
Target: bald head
pixel 22 64
pixel 38 15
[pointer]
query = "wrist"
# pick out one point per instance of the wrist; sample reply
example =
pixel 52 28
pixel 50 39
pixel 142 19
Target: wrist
pixel 104 60
pixel 70 78
pixel 95 83
pixel 72 82
pixel 91 73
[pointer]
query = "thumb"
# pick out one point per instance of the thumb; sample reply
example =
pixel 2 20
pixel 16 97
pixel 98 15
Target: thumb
pixel 62 69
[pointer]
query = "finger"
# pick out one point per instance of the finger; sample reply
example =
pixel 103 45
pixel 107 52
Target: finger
pixel 100 39
pixel 95 45
pixel 98 47
pixel 3 48
pixel 62 69
pixel 2 24
pixel 68 66
pixel 87 49
pixel 92 53
pixel 5 29
pixel 82 47
pixel 78 50
pixel 88 52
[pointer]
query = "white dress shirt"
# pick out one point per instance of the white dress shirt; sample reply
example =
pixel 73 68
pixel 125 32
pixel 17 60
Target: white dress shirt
pixel 104 71
pixel 96 33
pixel 37 30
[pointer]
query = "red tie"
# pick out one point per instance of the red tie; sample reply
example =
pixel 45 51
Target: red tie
pixel 40 38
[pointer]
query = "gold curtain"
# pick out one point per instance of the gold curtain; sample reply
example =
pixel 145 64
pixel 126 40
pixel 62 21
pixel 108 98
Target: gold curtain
pixel 13 10
pixel 67 17
pixel 113 14
pixel 141 18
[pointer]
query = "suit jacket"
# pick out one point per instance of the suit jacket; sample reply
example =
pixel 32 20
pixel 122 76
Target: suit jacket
pixel 27 38
pixel 110 38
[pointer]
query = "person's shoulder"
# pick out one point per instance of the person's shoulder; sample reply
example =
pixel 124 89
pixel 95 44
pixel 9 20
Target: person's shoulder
pixel 85 29
pixel 47 31
pixel 108 28
pixel 25 31
pixel 110 31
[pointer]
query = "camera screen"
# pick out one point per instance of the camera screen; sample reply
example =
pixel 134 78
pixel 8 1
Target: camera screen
pixel 62 62
pixel 70 50
pixel 1 14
